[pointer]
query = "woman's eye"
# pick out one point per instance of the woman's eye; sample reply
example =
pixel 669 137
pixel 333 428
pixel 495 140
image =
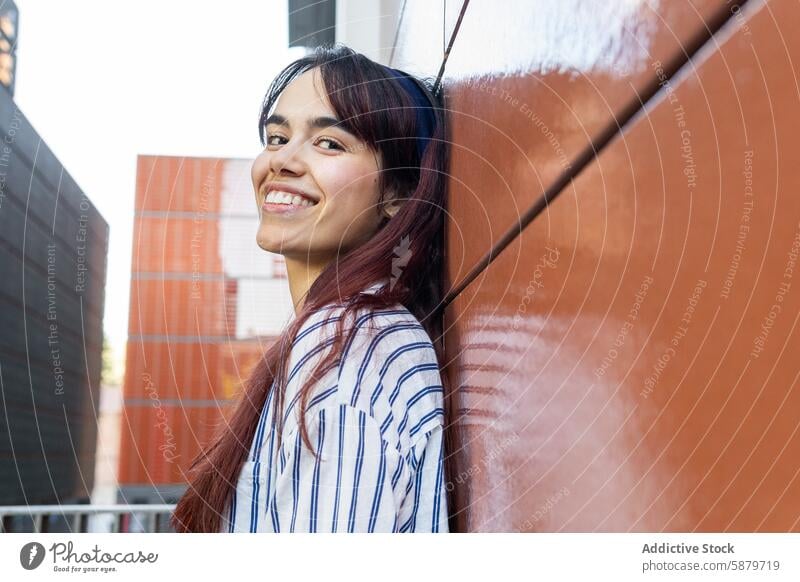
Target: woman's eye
pixel 273 136
pixel 335 145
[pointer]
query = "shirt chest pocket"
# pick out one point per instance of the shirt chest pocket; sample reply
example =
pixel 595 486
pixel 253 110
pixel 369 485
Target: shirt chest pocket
pixel 286 452
pixel 254 475
pixel 276 461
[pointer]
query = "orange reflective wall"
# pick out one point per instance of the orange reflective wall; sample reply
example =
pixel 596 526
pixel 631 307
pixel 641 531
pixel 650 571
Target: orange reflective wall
pixel 205 303
pixel 623 355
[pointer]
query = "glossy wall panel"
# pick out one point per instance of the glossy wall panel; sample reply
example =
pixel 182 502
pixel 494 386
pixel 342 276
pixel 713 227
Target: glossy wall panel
pixel 628 362
pixel 529 87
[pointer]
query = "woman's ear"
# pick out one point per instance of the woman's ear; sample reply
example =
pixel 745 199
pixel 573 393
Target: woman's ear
pixel 389 210
pixel 390 205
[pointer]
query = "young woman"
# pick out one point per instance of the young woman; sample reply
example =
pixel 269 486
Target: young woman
pixel 341 425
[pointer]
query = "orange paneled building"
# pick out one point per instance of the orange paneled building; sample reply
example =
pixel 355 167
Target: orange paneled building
pixel 205 303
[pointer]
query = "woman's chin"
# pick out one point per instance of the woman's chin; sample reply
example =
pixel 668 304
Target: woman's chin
pixel 281 247
pixel 270 245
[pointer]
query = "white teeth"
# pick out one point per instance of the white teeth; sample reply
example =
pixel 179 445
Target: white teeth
pixel 279 197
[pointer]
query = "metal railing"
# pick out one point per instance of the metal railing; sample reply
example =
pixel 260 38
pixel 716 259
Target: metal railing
pixel 85 518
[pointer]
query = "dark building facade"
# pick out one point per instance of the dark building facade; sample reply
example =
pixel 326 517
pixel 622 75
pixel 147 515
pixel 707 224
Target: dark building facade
pixel 53 246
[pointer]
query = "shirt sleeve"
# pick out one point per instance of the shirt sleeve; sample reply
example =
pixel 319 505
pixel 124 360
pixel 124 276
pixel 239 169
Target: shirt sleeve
pixel 348 488
pixel 425 506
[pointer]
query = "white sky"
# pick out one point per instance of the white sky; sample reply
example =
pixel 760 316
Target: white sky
pixel 104 81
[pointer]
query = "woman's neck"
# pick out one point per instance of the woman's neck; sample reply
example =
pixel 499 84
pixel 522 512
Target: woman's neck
pixel 302 274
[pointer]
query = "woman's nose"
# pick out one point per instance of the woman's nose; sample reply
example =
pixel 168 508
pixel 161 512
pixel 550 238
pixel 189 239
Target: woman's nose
pixel 288 159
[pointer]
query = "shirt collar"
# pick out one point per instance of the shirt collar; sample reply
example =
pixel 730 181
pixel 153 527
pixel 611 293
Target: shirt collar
pixel 375 287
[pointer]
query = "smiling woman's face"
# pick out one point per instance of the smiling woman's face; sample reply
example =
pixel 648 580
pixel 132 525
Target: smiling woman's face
pixel 316 186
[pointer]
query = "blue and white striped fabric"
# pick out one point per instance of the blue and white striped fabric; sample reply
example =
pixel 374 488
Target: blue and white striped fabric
pixel 377 419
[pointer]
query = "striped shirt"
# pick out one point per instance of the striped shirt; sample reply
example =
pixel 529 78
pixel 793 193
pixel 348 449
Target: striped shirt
pixel 376 420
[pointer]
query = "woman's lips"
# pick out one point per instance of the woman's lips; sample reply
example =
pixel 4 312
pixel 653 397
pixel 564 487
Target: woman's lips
pixel 274 208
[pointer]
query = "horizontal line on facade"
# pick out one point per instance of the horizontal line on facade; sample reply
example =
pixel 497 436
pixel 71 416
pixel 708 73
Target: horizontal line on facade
pixel 195 339
pixel 182 402
pixel 194 215
pixel 183 276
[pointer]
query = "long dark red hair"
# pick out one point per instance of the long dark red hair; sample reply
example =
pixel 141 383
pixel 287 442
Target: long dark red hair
pixel 374 106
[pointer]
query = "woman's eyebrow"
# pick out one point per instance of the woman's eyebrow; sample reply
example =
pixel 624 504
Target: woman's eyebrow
pixel 313 123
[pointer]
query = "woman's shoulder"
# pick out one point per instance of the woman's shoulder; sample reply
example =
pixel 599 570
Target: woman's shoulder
pixel 365 322
pixel 395 323
pixel 387 331
pixel 390 370
pixel 368 331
